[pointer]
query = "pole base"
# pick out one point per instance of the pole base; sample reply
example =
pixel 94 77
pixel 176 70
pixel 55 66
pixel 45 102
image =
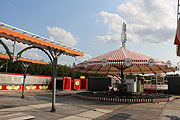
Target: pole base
pixel 53 109
pixel 22 96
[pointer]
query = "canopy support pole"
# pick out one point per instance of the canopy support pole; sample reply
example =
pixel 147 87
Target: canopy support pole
pixel 1 64
pixel 7 66
pixel 122 72
pixel 14 47
pixel 26 65
pixel 55 59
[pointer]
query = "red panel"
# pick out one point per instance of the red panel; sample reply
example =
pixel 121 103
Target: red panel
pixel 10 87
pixel 86 84
pixel 26 75
pixel 77 84
pixel 27 87
pixel 72 84
pixel 83 83
pixel 67 83
pixel 150 91
pixel 37 87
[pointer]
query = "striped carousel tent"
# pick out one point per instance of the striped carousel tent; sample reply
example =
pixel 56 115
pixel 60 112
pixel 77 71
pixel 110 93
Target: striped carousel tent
pixel 124 61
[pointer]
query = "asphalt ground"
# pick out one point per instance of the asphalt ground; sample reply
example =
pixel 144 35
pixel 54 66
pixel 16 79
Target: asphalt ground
pixel 37 105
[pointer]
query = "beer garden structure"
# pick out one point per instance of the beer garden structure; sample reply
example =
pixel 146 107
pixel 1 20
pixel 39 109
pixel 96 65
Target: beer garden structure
pixel 51 48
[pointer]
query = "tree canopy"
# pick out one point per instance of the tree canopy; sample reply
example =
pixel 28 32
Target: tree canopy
pixel 37 69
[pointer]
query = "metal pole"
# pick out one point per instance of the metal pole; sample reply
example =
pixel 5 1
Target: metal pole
pixel 7 66
pixel 25 72
pixel 122 74
pixel 156 82
pixel 1 65
pixel 14 46
pixel 53 109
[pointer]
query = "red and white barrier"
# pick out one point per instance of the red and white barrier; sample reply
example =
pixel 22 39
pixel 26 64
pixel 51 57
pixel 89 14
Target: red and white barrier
pixel 127 100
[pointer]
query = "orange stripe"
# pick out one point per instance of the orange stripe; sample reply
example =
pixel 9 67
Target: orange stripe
pixel 24 60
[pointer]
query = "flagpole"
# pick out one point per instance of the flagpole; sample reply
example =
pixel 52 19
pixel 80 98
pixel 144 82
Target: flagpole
pixel 178 11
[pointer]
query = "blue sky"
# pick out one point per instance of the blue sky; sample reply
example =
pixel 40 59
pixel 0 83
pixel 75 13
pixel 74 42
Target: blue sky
pixel 94 26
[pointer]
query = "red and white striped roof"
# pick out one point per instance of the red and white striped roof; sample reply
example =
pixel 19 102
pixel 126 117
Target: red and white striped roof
pixel 116 59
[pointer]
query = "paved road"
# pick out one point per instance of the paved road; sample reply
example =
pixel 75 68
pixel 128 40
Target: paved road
pixel 37 105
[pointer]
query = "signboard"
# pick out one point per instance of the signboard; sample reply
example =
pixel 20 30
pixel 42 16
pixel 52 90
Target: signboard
pixel 85 64
pixel 128 62
pixel 82 77
pixel 168 64
pixel 104 62
pixel 151 62
pixel 77 84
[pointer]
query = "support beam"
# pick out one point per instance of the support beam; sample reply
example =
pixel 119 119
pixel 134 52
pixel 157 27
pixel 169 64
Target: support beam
pixel 26 65
pixel 108 69
pixel 7 49
pixel 7 66
pixel 55 59
pixel 161 69
pixel 88 69
pixel 130 71
pixel 54 82
pixel 99 69
pixel 122 73
pixel 151 70
pixel 172 70
pixel 14 47
pixel 140 69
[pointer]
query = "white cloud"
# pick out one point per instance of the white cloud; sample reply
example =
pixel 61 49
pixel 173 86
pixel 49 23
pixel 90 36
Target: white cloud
pixel 9 44
pixel 151 21
pixel 32 54
pixel 67 63
pixel 62 36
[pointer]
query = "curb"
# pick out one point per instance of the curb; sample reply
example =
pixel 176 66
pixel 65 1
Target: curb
pixel 126 100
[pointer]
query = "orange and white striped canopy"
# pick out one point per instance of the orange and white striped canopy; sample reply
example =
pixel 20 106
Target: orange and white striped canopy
pixel 116 59
pixel 24 60
pixel 33 40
